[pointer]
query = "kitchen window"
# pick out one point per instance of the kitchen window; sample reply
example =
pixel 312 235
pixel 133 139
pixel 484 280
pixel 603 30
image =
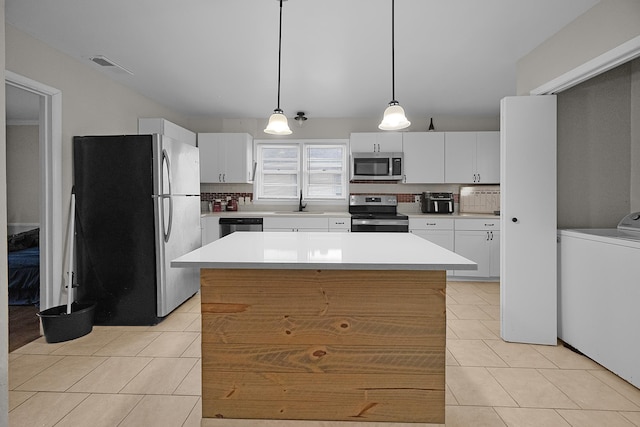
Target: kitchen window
pixel 317 168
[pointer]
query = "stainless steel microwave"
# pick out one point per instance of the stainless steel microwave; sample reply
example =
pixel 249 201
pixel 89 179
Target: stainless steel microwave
pixel 372 166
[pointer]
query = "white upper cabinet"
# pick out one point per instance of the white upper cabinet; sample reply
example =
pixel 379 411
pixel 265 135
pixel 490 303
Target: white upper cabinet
pixel 488 157
pixel 459 155
pixel 472 157
pixel 226 157
pixel 423 157
pixel 379 142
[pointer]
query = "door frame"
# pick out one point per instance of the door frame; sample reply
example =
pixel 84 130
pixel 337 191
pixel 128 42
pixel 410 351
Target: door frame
pixel 50 142
pixel 625 52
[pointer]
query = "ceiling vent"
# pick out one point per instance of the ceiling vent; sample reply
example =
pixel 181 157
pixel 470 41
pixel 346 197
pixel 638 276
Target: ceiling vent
pixel 103 61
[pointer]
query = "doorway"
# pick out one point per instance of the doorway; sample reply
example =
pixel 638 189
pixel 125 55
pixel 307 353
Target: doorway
pixel 50 183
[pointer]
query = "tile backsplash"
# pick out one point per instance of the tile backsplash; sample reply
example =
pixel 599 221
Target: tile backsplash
pixel 470 199
pixel 480 199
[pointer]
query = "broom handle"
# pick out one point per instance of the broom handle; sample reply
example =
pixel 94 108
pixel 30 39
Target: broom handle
pixel 72 224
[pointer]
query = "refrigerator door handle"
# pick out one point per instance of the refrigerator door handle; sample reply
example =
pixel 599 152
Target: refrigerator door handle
pixel 167 227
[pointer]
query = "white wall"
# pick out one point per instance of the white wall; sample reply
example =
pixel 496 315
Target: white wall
pixel 23 174
pixel 92 104
pixel 603 27
pixel 594 150
pixel 4 303
pixel 339 128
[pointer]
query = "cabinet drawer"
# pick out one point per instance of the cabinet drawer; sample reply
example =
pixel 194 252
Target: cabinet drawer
pixel 295 222
pixel 430 223
pixel 477 224
pixel 339 223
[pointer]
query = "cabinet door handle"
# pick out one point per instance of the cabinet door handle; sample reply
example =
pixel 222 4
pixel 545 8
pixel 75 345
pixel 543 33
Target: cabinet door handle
pixel 219 177
pixel 224 177
pixel 478 177
pixel 491 235
pixel 514 219
pixel 374 147
pixel 474 178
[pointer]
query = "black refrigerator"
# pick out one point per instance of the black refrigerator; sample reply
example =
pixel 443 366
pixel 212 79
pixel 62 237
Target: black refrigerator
pixel 137 208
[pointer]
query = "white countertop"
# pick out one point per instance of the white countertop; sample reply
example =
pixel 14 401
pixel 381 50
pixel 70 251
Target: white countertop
pixel 604 235
pixel 251 214
pixel 328 251
pixel 339 214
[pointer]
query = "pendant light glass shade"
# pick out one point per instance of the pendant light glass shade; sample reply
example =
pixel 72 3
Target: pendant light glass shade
pixel 278 124
pixel 394 118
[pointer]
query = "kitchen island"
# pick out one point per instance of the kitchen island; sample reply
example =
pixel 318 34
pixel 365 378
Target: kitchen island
pixel 323 326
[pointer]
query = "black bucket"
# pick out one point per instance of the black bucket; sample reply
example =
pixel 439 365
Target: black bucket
pixel 59 326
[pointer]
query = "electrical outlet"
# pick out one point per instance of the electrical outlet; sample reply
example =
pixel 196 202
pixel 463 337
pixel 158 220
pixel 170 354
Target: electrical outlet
pixel 416 198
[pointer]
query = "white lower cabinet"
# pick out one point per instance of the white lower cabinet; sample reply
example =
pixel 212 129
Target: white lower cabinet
pixel 210 229
pixel 436 230
pixel 479 241
pixel 294 224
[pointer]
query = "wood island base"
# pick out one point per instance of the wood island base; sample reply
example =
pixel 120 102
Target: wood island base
pixel 340 345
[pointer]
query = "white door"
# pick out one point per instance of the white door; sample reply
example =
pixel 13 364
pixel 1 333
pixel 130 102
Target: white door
pixel 528 291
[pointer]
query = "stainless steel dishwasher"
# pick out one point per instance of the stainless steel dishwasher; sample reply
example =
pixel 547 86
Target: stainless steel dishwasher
pixel 229 225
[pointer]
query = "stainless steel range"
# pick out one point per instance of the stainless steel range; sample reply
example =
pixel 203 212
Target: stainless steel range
pixel 376 213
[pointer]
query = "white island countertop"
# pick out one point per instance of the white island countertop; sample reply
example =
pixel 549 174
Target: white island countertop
pixel 328 251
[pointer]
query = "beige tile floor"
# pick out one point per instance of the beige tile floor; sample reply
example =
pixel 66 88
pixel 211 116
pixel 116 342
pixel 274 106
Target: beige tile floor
pixel 150 376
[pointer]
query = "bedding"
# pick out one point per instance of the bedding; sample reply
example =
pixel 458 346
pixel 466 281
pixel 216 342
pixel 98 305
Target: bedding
pixel 24 268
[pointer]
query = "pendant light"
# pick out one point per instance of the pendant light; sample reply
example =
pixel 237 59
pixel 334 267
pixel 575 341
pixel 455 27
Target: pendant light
pixel 278 122
pixel 394 118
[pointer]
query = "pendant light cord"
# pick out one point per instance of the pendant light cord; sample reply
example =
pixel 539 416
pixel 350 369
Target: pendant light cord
pixel 279 53
pixel 393 52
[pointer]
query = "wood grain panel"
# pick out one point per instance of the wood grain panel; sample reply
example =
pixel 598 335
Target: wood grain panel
pixel 423 409
pixel 354 330
pixel 274 386
pixel 323 344
pixel 366 279
pixel 303 292
pixel 322 359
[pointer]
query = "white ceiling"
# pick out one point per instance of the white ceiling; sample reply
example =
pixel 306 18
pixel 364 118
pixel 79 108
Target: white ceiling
pixel 218 58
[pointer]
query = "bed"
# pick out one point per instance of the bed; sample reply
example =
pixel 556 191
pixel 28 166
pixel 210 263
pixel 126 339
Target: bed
pixel 24 268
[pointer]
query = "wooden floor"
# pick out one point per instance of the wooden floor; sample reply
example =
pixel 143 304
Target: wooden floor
pixel 24 325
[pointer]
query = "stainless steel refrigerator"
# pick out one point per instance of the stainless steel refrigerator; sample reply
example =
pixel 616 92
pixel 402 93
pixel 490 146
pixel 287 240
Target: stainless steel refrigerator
pixel 137 207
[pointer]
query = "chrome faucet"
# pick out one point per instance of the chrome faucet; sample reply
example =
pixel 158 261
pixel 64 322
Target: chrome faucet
pixel 300 205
